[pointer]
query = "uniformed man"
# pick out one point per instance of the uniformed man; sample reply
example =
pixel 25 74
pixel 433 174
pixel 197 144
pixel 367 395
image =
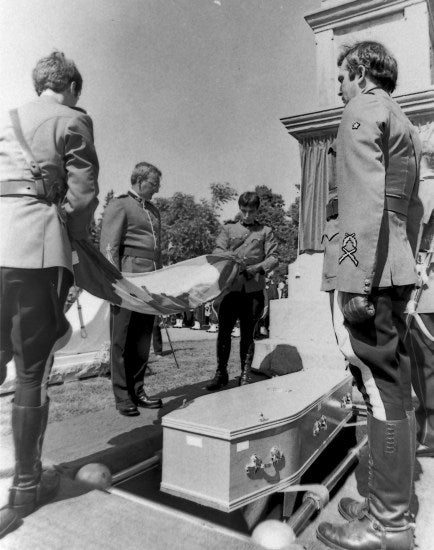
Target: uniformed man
pixel 131 240
pixel 254 244
pixel 378 217
pixel 48 187
pixel 420 336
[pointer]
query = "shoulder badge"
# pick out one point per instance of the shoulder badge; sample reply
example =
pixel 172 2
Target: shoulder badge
pixel 355 125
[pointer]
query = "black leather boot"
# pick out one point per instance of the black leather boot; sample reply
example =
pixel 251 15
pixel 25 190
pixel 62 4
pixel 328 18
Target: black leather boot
pixel 220 380
pixel 384 523
pixel 246 369
pixel 9 520
pixel 31 487
pixel 349 508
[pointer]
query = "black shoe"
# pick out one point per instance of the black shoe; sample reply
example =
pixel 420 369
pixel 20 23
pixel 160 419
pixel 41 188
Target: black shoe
pixel 127 410
pixel 142 400
pixel 219 381
pixel 9 520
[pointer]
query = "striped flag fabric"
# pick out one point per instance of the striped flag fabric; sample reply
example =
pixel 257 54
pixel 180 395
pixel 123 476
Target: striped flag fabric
pixel 173 289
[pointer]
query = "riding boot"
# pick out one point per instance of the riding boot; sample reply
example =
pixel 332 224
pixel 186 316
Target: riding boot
pixel 349 508
pixel 31 487
pixel 246 369
pixel 220 380
pixel 384 523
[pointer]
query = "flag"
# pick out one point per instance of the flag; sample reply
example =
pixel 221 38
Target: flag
pixel 173 289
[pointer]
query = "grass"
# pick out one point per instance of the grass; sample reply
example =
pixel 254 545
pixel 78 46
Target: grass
pixel 196 360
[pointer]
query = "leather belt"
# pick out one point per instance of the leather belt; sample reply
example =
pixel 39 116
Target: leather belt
pixel 393 204
pixel 20 187
pixel 138 253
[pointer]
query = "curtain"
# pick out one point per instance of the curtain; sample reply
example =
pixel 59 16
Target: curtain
pixel 317 169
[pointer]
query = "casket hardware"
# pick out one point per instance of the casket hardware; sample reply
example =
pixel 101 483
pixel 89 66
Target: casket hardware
pixel 253 466
pixel 257 463
pixel 346 401
pixel 320 424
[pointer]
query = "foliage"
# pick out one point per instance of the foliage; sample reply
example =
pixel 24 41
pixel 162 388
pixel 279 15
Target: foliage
pixel 189 228
pixel 221 193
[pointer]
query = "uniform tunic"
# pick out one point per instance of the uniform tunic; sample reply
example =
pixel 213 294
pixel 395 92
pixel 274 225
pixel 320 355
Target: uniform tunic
pixel 376 228
pixel 254 245
pixel 34 244
pixel 131 240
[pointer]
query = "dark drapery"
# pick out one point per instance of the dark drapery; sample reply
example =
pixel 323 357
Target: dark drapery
pixel 317 169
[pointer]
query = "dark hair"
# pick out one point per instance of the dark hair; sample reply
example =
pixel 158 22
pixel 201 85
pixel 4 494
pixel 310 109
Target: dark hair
pixel 55 72
pixel 381 67
pixel 249 198
pixel 141 172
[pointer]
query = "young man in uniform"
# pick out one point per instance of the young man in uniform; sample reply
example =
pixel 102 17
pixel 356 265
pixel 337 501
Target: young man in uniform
pixel 377 217
pixel 131 240
pixel 48 187
pixel 254 244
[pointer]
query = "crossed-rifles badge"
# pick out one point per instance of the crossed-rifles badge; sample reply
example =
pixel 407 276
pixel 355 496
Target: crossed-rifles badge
pixel 349 248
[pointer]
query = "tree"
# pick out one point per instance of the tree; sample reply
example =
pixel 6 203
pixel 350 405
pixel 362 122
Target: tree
pixel 189 228
pixel 221 193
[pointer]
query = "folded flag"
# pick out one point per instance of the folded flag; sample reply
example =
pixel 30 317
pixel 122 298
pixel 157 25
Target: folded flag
pixel 173 289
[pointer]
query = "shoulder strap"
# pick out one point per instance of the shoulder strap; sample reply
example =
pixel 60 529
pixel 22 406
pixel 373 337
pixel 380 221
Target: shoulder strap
pixel 27 152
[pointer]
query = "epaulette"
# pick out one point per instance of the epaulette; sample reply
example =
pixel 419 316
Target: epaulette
pixel 229 221
pixel 121 196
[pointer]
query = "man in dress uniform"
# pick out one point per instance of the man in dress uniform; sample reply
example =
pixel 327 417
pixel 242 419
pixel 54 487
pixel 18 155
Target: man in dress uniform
pixel 254 244
pixel 48 186
pixel 131 240
pixel 376 221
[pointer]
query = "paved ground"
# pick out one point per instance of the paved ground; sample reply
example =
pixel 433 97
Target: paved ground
pixel 119 442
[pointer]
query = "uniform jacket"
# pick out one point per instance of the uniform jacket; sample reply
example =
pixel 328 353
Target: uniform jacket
pixel 33 231
pixel 254 245
pixel 377 157
pixel 131 234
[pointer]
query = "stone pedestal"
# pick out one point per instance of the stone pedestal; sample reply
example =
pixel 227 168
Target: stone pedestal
pixel 301 332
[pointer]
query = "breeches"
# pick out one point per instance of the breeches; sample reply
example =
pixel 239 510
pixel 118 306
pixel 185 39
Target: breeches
pixel 32 320
pixel 248 309
pixel 376 353
pixel 131 336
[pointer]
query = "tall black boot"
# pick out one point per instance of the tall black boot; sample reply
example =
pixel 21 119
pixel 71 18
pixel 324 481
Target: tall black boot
pixel 220 380
pixel 31 488
pixel 349 508
pixel 384 524
pixel 246 368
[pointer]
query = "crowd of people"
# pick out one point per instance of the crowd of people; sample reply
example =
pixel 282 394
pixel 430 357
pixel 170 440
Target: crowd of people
pixel 378 224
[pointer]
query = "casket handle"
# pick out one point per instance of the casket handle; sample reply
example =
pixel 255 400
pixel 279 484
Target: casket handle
pixel 254 464
pixel 346 401
pixel 318 425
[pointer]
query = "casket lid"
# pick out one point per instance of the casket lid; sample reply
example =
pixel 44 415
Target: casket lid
pixel 245 410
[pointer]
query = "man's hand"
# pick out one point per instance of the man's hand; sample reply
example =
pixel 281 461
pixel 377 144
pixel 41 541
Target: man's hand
pixel 251 270
pixel 356 308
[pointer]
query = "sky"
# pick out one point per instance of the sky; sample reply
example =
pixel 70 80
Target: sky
pixel 196 87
